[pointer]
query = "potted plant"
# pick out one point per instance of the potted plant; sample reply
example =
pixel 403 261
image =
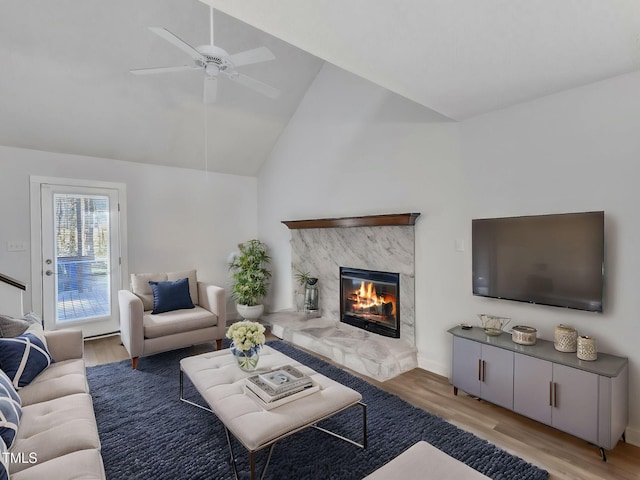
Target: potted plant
pixel 301 278
pixel 250 278
pixel 307 299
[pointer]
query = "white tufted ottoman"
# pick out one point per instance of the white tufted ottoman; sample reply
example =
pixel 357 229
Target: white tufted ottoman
pixel 220 382
pixel 423 460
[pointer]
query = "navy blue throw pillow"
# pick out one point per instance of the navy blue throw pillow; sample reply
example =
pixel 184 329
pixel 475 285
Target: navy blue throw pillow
pixel 22 358
pixel 168 296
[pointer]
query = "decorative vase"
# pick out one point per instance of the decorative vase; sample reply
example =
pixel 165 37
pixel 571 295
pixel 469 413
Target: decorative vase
pixel 587 348
pixel 298 298
pixel 311 295
pixel 252 312
pixel 247 359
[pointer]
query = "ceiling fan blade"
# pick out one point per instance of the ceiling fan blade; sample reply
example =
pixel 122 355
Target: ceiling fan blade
pixel 148 71
pixel 256 55
pixel 256 85
pixel 177 42
pixel 210 89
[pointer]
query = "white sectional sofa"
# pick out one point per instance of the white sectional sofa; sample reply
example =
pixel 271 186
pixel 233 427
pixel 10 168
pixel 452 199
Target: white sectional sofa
pixel 57 435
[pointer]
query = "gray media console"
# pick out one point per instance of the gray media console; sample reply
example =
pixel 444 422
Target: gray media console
pixel 583 398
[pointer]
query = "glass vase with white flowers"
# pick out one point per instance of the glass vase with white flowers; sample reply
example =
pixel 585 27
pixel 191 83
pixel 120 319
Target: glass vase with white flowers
pixel 247 341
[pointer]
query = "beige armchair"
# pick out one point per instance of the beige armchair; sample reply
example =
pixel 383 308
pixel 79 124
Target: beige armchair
pixel 145 333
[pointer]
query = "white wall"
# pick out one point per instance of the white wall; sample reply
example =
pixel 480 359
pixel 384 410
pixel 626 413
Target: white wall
pixel 574 151
pixel 177 218
pixel 355 149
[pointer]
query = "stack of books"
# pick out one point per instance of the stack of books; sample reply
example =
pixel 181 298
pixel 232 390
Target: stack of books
pixel 280 386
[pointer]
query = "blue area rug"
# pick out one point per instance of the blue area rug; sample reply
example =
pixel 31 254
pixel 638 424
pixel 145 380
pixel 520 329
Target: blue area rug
pixel 147 433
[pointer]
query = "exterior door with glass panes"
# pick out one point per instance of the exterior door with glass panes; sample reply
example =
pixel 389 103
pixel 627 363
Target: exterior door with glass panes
pixel 80 258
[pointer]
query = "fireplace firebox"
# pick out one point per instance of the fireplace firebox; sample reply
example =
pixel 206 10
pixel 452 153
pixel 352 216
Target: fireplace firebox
pixel 370 300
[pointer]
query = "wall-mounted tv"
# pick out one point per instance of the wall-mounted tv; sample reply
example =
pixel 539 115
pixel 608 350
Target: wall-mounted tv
pixel 553 260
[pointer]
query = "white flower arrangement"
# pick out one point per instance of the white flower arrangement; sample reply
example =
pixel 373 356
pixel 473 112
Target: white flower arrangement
pixel 248 337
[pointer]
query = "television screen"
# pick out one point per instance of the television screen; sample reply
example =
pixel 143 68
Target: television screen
pixel 553 260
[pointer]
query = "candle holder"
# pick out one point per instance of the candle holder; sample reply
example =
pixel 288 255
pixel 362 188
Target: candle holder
pixel 587 348
pixel 565 339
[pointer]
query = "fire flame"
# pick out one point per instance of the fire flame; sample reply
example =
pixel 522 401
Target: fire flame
pixel 366 296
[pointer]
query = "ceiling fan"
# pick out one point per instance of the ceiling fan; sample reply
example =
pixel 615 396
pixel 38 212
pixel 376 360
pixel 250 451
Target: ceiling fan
pixel 215 62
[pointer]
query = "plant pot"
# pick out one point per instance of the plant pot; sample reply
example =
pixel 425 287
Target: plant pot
pixel 252 312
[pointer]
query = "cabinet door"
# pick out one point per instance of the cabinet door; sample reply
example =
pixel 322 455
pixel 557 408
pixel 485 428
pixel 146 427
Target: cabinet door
pixel 466 361
pixel 497 376
pixel 532 389
pixel 575 402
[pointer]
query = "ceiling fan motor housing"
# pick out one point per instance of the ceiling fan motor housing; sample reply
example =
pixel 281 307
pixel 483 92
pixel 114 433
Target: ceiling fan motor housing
pixel 216 59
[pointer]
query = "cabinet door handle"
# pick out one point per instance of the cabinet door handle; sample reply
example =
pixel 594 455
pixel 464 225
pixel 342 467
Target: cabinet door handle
pixel 551 394
pixel 555 394
pixel 479 370
pixel 484 370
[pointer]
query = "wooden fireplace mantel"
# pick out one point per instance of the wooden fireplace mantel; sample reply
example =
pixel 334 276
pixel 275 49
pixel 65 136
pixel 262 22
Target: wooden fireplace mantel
pixel 395 219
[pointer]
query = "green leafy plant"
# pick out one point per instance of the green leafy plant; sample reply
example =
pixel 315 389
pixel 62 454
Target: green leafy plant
pixel 250 273
pixel 301 277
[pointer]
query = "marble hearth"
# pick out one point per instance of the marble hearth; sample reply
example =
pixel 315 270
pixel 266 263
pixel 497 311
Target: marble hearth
pixel 379 242
pixel 367 353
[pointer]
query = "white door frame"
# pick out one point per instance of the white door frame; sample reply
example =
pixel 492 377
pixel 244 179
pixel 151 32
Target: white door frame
pixel 36 231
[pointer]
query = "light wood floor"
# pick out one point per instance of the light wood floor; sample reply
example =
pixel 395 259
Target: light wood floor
pixel 562 455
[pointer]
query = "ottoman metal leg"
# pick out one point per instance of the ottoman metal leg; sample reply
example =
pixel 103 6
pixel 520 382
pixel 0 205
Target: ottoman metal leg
pixel 348 440
pixel 182 399
pixel 252 459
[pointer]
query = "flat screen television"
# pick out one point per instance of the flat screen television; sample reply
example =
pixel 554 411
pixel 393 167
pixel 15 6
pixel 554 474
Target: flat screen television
pixel 553 260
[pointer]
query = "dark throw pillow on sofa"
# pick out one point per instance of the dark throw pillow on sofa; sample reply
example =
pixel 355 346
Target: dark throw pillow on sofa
pixel 22 358
pixel 10 413
pixel 168 296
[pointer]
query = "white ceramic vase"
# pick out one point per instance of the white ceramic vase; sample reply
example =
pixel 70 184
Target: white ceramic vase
pixel 252 312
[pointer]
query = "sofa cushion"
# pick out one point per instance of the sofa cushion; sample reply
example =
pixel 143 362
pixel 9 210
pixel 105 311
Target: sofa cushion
pixel 23 357
pixel 59 379
pixel 80 465
pixel 140 286
pixel 56 428
pixel 177 321
pixel 191 275
pixel 12 327
pixel 169 296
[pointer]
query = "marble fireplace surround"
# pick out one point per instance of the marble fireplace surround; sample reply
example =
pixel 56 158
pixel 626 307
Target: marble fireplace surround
pixel 320 247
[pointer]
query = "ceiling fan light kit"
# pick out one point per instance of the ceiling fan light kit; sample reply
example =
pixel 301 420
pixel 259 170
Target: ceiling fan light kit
pixel 214 61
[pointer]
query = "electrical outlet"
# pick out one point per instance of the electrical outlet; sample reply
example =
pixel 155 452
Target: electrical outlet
pixel 16 246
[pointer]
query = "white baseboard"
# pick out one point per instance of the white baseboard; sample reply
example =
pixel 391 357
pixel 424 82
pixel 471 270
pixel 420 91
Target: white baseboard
pixel 431 366
pixel 633 436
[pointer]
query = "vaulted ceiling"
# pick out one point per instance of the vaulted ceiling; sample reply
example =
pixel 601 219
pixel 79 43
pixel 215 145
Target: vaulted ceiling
pixel 65 84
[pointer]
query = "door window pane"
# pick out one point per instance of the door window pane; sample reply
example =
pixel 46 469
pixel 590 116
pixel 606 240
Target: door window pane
pixel 82 256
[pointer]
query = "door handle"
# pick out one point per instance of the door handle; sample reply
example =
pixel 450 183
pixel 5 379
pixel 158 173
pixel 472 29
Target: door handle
pixel 484 370
pixel 551 394
pixel 479 370
pixel 555 394
pixel 48 273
